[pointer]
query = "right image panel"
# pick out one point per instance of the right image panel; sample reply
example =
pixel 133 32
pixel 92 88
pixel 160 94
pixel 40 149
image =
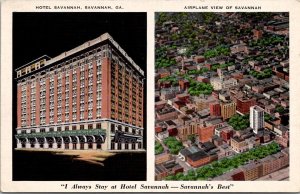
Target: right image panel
pixel 222 96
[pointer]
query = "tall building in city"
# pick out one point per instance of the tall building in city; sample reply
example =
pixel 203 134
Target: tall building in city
pixel 90 97
pixel 256 118
pixel 215 109
pixel 228 109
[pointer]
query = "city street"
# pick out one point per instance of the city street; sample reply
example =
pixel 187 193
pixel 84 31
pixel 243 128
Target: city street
pixel 183 164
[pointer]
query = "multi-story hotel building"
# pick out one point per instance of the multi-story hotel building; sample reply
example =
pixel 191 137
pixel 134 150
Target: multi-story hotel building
pixel 90 97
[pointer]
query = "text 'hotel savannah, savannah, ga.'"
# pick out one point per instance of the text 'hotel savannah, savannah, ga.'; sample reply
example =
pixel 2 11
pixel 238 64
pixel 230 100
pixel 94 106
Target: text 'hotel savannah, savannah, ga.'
pixel 90 97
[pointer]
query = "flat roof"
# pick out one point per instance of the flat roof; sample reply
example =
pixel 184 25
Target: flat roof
pixel 198 155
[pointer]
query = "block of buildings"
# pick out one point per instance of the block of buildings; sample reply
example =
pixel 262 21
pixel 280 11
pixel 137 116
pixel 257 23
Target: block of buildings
pixel 221 84
pixel 199 158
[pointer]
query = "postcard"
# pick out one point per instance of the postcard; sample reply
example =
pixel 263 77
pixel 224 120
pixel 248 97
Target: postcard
pixel 149 96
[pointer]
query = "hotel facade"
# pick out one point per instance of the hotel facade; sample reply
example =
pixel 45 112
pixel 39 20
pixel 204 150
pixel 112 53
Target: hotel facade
pixel 91 97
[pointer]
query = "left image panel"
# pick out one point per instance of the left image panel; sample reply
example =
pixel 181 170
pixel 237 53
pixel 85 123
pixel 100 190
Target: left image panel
pixel 79 110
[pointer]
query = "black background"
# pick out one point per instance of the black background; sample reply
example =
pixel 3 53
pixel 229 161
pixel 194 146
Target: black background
pixel 36 34
pixel 41 33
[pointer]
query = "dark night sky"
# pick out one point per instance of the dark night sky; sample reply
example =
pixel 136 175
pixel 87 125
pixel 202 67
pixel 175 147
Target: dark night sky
pixel 37 34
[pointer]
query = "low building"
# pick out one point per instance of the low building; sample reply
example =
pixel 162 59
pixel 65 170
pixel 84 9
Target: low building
pixel 239 48
pixel 167 113
pixel 252 171
pixel 184 84
pixel 238 145
pixel 167 168
pixel 199 59
pixel 275 162
pixel 163 134
pixel 179 104
pixel 220 84
pixel 163 73
pixel 163 157
pixel 198 159
pixel 168 93
pixel 225 151
pixel 265 166
pixel 203 102
pixel 160 104
pixel 257 34
pixel 283 140
pixel 184 153
pixel 205 133
pixel 226 133
pixel 203 79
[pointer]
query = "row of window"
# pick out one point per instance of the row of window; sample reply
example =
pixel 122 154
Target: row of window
pixel 59 116
pixel 118 146
pixel 115 127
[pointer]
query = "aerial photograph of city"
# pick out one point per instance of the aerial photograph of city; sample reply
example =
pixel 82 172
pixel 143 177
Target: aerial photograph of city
pixel 222 96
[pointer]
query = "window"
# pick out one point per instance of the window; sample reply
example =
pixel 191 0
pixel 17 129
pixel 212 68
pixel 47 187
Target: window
pixel 98 125
pixel 90 126
pixel 90 114
pixel 67 128
pixel 112 127
pixel 81 126
pixel 112 147
pixel 119 128
pixel 73 128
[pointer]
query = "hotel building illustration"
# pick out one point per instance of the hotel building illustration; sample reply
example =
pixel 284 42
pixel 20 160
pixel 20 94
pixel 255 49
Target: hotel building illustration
pixel 90 97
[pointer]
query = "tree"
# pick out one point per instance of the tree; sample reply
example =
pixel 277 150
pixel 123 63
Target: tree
pixel 173 144
pixel 158 148
pixel 192 138
pixel 267 117
pixel 279 109
pixel 170 178
pixel 239 122
pixel 197 88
